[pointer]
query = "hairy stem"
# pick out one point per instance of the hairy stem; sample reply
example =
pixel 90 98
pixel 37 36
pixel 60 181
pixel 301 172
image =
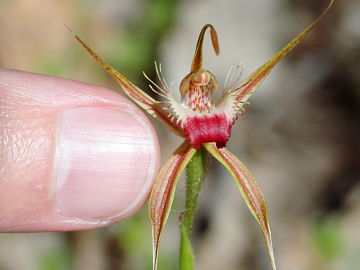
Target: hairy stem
pixel 195 174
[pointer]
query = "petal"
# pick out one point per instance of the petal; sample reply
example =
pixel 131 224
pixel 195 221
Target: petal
pixel 162 193
pixel 198 57
pixel 249 191
pixel 150 105
pixel 242 94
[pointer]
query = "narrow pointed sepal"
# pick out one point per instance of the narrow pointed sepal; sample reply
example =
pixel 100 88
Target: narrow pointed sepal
pixel 150 105
pixel 260 74
pixel 162 193
pixel 198 56
pixel 234 99
pixel 249 190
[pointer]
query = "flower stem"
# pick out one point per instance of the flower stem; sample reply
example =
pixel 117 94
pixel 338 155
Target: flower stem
pixel 195 173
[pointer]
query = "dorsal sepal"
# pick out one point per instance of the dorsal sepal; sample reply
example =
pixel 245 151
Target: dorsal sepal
pixel 198 56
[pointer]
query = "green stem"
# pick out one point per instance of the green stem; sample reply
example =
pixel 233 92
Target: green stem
pixel 195 173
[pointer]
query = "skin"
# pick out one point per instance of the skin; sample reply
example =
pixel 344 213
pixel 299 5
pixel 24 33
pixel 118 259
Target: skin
pixel 73 156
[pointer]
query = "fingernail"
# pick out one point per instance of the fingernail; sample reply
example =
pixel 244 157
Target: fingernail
pixel 105 162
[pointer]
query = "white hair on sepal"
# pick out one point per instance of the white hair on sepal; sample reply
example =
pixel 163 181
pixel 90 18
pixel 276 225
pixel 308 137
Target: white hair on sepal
pixel 176 111
pixel 233 77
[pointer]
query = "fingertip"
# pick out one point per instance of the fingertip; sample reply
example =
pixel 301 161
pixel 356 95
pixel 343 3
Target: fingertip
pixel 105 162
pixel 78 156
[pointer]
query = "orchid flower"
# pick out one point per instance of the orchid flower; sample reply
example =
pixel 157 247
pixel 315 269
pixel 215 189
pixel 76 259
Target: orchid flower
pixel 203 122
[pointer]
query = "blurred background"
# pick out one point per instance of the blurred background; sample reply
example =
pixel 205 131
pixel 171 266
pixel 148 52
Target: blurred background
pixel 300 136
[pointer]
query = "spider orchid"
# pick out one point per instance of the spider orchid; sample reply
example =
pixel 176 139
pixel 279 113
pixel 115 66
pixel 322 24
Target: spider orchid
pixel 203 123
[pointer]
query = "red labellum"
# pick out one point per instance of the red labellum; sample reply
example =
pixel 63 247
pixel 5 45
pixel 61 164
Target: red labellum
pixel 213 128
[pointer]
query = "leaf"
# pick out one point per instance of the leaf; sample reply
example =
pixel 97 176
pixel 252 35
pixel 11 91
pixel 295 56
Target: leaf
pixel 248 87
pixel 250 191
pixel 150 105
pixel 162 193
